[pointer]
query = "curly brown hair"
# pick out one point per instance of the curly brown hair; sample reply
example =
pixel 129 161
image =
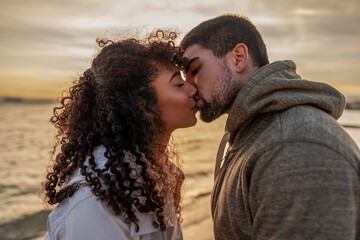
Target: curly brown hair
pixel 114 105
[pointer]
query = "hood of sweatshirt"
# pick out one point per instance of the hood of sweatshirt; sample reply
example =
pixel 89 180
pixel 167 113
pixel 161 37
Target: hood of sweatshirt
pixel 276 87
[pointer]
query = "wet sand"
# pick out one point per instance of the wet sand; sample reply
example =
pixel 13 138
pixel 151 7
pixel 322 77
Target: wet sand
pixel 27 139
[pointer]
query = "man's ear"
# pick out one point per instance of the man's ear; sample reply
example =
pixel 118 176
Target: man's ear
pixel 240 57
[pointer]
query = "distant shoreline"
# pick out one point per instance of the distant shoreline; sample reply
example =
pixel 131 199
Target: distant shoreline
pixel 352 102
pixel 26 100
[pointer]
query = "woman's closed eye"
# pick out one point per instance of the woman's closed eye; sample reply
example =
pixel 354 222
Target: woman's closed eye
pixel 176 79
pixel 179 82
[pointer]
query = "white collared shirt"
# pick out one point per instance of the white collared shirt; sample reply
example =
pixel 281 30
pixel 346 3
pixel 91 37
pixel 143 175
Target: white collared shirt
pixel 83 216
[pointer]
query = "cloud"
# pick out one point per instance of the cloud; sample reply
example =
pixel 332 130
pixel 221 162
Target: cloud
pixel 56 39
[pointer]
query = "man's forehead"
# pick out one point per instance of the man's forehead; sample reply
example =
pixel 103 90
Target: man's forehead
pixel 194 50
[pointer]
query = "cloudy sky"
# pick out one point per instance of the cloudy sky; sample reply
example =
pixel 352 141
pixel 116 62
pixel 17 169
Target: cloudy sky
pixel 45 43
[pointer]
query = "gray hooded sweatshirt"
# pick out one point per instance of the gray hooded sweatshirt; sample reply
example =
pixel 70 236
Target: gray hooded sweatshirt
pixel 291 171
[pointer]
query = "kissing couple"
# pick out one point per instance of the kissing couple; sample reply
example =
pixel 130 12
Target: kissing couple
pixel 290 171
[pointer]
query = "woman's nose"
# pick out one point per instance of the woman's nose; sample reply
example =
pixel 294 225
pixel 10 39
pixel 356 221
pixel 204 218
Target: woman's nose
pixel 191 89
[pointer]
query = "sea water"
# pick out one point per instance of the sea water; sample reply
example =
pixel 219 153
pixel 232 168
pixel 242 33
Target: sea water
pixel 27 137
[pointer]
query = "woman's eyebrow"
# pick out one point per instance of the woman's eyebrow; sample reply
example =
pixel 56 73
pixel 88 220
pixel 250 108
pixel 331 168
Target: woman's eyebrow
pixel 190 62
pixel 177 73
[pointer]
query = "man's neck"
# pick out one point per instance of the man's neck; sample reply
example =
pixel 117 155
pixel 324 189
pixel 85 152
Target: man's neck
pixel 245 76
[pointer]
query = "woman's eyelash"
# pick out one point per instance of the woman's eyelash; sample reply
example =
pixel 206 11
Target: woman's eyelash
pixel 180 84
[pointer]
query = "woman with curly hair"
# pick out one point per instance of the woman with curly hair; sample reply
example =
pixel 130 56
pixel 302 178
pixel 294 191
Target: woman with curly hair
pixel 115 173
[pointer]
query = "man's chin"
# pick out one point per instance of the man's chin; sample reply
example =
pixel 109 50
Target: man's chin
pixel 207 116
pixel 207 120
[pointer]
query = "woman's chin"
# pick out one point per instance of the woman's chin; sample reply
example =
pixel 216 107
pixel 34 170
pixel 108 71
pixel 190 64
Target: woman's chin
pixel 189 123
pixel 192 122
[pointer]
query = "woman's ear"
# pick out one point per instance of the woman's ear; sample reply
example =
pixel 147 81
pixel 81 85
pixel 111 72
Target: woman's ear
pixel 240 57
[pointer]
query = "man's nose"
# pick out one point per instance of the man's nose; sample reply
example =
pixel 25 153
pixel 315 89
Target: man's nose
pixel 189 79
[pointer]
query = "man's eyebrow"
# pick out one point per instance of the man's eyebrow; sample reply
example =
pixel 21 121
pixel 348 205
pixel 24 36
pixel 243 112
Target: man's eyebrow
pixel 189 63
pixel 177 73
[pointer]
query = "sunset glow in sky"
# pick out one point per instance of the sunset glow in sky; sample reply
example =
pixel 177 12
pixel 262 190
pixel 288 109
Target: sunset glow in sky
pixel 45 43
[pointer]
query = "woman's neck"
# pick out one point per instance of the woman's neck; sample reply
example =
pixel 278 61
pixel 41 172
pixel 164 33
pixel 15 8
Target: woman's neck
pixel 163 143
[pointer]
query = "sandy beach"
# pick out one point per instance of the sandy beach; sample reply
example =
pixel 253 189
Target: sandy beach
pixel 27 138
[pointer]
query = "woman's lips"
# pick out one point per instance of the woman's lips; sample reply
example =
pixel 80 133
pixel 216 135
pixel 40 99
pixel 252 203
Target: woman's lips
pixel 195 107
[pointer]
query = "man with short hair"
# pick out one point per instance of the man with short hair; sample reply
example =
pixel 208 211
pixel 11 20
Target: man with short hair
pixel 291 171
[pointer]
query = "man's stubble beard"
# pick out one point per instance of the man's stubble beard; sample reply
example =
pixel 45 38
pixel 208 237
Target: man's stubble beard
pixel 221 98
